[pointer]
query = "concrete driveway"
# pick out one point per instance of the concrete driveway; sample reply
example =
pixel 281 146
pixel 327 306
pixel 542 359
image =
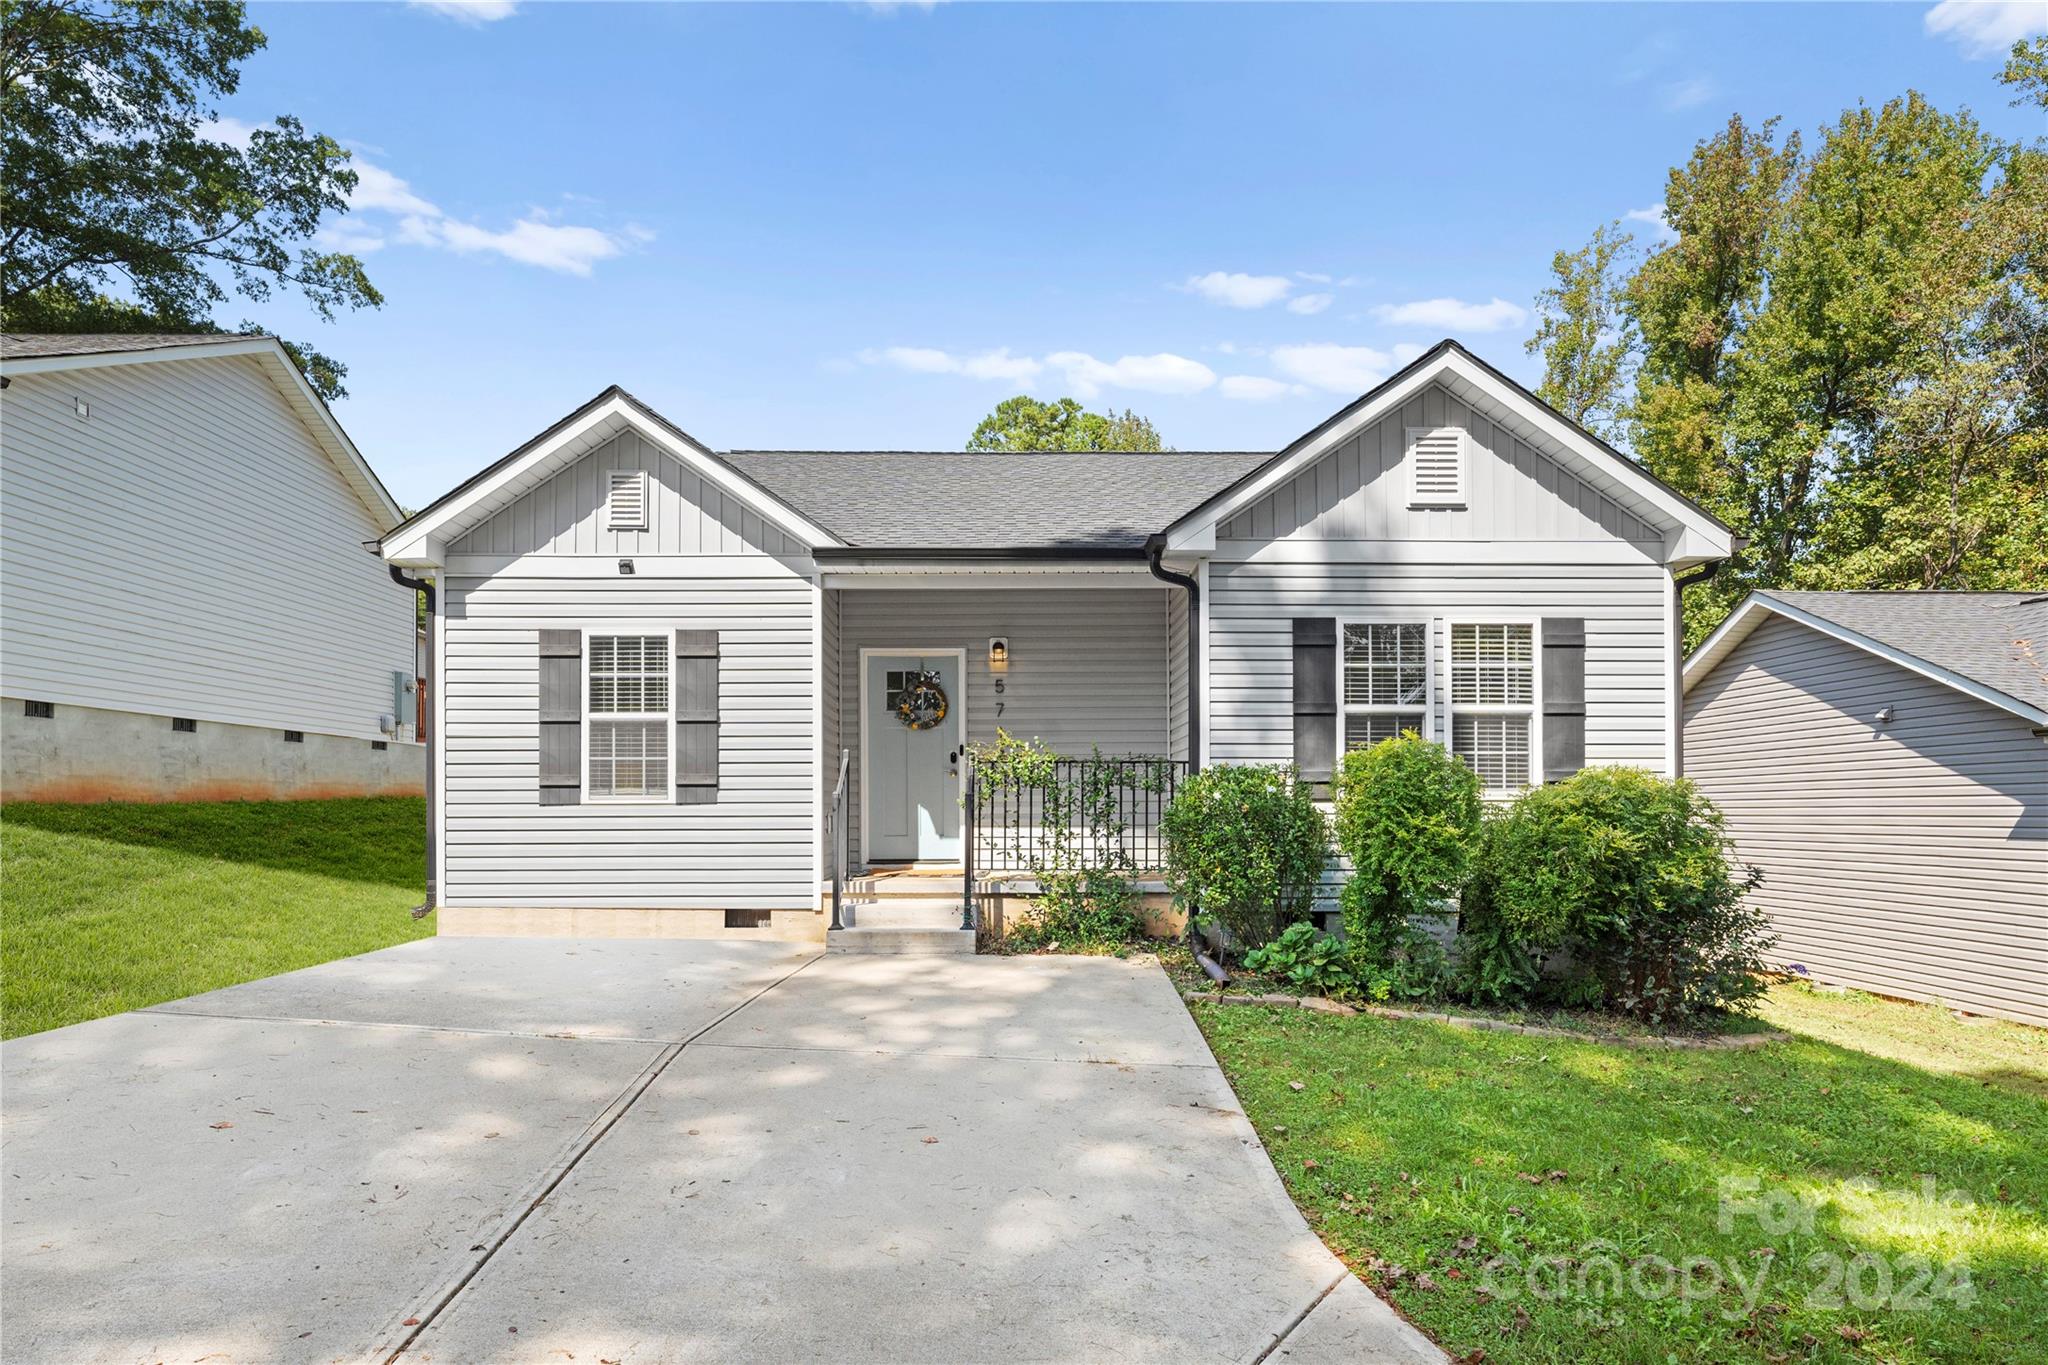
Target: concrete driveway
pixel 644 1150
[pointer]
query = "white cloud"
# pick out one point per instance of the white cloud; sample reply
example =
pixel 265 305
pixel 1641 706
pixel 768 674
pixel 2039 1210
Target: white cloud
pixel 475 13
pixel 532 241
pixel 1337 369
pixel 1984 28
pixel 1162 373
pixel 347 237
pixel 1654 216
pixel 1689 93
pixel 377 188
pixel 1238 290
pixel 1311 277
pixel 1453 315
pixel 1253 388
pixel 996 364
pixel 1309 304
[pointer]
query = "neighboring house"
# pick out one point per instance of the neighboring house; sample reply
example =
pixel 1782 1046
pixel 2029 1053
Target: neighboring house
pixel 651 657
pixel 1883 757
pixel 191 606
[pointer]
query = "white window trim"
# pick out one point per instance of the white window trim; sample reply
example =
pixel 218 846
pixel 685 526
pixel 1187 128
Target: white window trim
pixel 1415 495
pixel 1534 709
pixel 1346 709
pixel 666 796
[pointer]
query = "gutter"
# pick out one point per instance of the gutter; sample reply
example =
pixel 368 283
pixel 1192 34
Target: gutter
pixel 433 737
pixel 1155 547
pixel 976 554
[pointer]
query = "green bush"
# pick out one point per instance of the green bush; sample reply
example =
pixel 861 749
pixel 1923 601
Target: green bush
pixel 1624 873
pixel 1090 910
pixel 1407 813
pixel 1245 847
pixel 1307 958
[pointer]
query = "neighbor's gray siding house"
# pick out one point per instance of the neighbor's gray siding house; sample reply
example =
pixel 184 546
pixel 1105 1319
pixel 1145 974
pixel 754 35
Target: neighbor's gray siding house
pixel 1883 757
pixel 187 577
pixel 653 656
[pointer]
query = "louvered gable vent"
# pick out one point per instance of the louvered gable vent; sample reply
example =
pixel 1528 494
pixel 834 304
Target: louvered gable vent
pixel 1436 467
pixel 628 505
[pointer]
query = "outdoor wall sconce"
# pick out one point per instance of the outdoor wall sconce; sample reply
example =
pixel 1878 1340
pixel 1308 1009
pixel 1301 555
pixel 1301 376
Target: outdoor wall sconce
pixel 998 651
pixel 626 566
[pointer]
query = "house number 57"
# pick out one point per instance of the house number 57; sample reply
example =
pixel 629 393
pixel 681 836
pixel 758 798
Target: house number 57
pixel 999 692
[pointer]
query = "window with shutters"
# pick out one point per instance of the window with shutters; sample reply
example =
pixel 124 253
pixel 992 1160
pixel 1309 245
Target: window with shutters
pixel 1385 680
pixel 627 507
pixel 1493 701
pixel 1436 467
pixel 628 719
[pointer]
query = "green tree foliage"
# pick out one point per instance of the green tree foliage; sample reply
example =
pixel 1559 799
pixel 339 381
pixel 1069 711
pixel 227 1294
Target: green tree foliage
pixel 125 206
pixel 1843 353
pixel 1024 423
pixel 1245 848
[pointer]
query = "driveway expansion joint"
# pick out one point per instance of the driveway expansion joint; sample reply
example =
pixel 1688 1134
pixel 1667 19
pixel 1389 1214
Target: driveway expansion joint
pixel 310 1021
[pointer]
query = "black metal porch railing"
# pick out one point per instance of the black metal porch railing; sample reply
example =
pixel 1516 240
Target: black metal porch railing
pixel 1100 812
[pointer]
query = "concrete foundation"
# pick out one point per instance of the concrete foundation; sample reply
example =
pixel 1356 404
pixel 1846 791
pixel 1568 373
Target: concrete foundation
pixel 623 921
pixel 82 753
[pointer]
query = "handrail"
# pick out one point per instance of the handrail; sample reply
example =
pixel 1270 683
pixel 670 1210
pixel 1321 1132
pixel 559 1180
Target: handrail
pixel 967 844
pixel 835 834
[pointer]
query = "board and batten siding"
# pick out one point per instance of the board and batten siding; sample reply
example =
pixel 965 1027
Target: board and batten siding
pixel 1088 666
pixel 188 549
pixel 1359 491
pixel 567 514
pixel 1911 858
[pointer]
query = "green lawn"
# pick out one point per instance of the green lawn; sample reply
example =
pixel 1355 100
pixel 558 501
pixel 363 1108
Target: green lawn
pixel 105 908
pixel 1544 1200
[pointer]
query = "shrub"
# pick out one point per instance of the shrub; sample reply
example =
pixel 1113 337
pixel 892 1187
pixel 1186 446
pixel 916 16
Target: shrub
pixel 1245 847
pixel 1407 813
pixel 1307 958
pixel 1080 910
pixel 1627 873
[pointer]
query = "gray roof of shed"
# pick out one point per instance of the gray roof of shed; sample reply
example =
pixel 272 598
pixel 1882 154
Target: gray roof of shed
pixel 1997 639
pixel 941 500
pixel 34 345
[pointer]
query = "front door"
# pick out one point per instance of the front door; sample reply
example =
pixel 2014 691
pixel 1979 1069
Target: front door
pixel 912 776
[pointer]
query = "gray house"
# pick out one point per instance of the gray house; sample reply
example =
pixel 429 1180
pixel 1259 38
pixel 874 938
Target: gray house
pixel 1883 757
pixel 672 684
pixel 189 609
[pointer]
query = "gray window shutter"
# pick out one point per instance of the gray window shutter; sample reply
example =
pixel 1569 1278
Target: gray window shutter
pixel 561 717
pixel 1315 696
pixel 1564 696
pixel 696 716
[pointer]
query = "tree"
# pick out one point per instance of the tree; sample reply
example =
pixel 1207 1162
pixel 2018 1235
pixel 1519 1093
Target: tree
pixel 1024 423
pixel 126 205
pixel 1585 334
pixel 1842 354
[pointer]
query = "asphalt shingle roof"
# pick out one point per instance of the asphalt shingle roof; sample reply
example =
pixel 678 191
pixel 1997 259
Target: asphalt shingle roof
pixel 1997 639
pixel 29 346
pixel 941 500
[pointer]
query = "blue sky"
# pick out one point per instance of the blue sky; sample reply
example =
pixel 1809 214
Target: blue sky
pixel 858 226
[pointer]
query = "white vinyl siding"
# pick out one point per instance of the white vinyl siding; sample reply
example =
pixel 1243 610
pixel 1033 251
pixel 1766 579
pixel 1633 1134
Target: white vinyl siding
pixel 189 550
pixel 751 849
pixel 1088 666
pixel 1908 858
pixel 573 512
pixel 1252 605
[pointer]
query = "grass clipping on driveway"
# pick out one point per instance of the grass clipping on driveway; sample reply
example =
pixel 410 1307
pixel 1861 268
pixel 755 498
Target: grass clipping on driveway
pixel 105 908
pixel 1538 1199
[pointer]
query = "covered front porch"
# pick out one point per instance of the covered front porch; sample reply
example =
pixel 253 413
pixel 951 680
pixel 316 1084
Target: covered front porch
pixel 921 667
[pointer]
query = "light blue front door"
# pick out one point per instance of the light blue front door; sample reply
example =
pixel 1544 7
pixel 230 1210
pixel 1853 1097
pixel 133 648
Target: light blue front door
pixel 912 777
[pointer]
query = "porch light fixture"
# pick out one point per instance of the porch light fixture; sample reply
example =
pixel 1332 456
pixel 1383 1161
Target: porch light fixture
pixel 998 651
pixel 626 566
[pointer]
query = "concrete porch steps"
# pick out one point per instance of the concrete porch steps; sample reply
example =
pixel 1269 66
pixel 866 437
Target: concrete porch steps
pixel 926 926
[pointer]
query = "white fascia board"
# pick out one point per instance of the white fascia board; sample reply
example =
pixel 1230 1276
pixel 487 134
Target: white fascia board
pixel 311 408
pixel 593 428
pixel 1757 606
pixel 1693 534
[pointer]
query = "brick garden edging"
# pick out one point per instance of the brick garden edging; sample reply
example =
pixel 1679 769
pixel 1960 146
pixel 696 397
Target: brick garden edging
pixel 1317 1003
